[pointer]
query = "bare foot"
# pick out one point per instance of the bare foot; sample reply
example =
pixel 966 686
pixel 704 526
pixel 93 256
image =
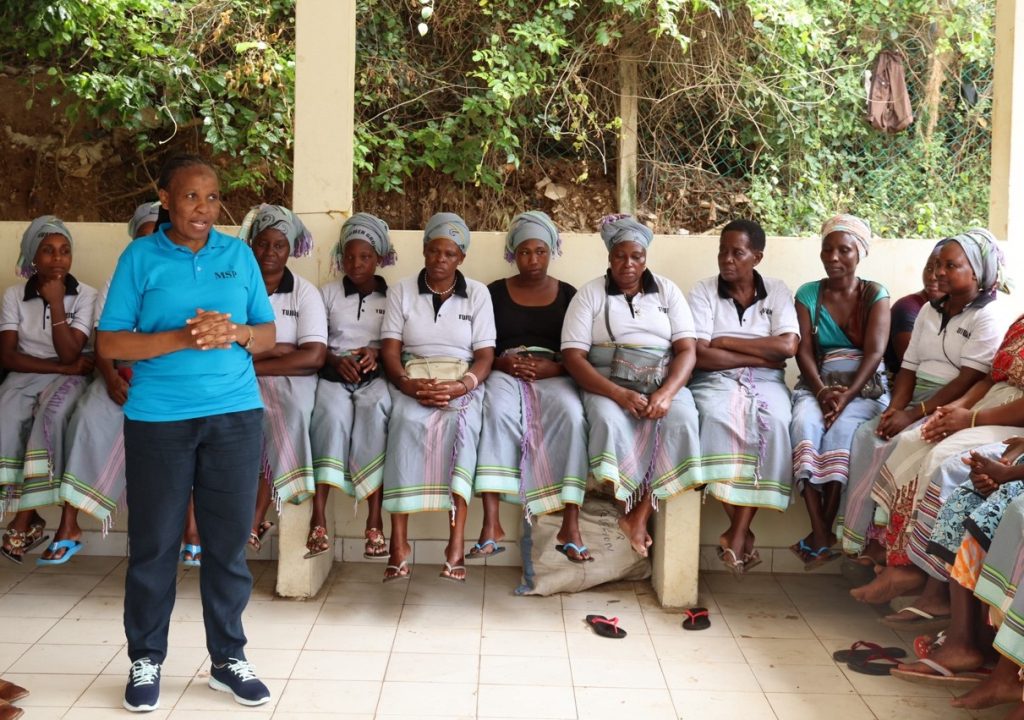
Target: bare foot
pixel 1000 688
pixel 889 584
pixel 639 540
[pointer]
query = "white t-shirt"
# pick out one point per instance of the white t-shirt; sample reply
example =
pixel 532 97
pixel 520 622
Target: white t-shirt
pixel 969 339
pixel 657 317
pixel 464 322
pixel 299 315
pixel 30 318
pixel 772 314
pixel 353 321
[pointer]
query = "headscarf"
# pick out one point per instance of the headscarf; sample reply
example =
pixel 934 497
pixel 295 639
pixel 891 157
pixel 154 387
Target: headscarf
pixel 144 213
pixel 33 237
pixel 531 225
pixel 368 228
pixel 282 219
pixel 852 225
pixel 625 228
pixel 986 259
pixel 447 225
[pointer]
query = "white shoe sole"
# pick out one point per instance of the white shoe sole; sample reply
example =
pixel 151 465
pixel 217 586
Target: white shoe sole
pixel 140 708
pixel 221 687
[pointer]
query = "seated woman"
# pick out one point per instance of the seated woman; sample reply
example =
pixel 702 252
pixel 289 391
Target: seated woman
pixel 997 584
pixel 45 323
pixel 628 340
pixel 437 347
pixel 844 323
pixel 984 565
pixel 530 399
pixel 980 426
pixel 287 372
pixel 352 399
pixel 953 346
pixel 93 478
pixel 905 310
pixel 746 330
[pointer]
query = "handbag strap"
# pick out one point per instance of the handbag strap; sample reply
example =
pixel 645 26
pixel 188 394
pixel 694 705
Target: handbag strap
pixel 817 318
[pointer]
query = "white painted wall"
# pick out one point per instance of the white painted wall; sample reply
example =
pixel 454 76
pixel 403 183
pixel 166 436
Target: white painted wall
pixel 685 259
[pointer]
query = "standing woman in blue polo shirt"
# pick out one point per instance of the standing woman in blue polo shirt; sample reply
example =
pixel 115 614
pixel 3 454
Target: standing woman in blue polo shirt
pixel 188 304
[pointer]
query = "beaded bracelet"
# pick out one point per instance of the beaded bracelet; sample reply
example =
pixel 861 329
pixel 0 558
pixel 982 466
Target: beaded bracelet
pixel 476 380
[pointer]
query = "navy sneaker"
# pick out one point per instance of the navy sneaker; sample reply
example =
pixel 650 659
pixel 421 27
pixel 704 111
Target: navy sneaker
pixel 238 678
pixel 142 693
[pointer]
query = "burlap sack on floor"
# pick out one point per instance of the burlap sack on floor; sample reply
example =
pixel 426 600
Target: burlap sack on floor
pixel 547 571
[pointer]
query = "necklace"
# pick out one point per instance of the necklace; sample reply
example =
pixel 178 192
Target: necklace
pixel 440 292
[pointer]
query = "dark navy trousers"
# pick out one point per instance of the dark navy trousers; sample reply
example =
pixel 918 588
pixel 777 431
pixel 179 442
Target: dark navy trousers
pixel 216 459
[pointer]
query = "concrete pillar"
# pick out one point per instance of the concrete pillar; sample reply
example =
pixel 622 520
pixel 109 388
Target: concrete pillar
pixel 1006 217
pixel 677 550
pixel 325 61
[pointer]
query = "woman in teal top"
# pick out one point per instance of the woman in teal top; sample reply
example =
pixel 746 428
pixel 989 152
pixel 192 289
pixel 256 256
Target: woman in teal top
pixel 844 325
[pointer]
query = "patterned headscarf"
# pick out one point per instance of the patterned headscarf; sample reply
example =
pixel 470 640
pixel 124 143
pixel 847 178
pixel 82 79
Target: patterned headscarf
pixel 447 225
pixel 986 259
pixel 368 228
pixel 531 225
pixel 281 219
pixel 625 228
pixel 144 213
pixel 33 238
pixel 852 225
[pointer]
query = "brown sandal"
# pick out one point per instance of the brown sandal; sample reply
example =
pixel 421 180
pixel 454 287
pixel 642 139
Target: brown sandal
pixel 317 543
pixel 376 546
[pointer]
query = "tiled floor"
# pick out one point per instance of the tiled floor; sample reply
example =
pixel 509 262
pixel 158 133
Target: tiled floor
pixel 429 648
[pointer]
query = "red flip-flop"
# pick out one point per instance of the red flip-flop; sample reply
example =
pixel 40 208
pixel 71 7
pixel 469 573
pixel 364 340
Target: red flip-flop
pixel 696 619
pixel 606 627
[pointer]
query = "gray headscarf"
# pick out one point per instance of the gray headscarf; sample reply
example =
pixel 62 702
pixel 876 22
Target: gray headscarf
pixel 625 228
pixel 282 219
pixel 447 225
pixel 531 225
pixel 144 213
pixel 33 237
pixel 368 228
pixel 986 259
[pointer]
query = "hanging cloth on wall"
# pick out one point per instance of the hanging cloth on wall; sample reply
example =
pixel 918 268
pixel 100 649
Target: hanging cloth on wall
pixel 889 108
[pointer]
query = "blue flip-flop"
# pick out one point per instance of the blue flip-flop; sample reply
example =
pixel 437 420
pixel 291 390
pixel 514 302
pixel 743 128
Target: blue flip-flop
pixel 192 550
pixel 70 548
pixel 477 551
pixel 564 548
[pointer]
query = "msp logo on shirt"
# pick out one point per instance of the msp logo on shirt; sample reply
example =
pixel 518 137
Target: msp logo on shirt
pixel 225 275
pixel 380 311
pixel 663 309
pixel 466 317
pixel 289 313
pixel 964 332
pixel 765 312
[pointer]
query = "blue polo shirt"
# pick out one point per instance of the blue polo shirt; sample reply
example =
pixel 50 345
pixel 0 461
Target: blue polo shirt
pixel 156 287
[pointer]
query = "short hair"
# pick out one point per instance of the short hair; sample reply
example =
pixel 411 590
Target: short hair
pixel 753 231
pixel 179 162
